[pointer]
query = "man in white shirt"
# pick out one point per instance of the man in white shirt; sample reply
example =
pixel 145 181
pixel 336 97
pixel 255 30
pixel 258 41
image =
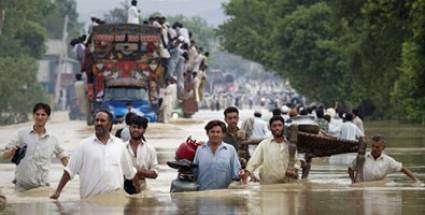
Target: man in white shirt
pixel 133 13
pixel 170 99
pixel 349 131
pixel 378 165
pixel 101 161
pixel 143 155
pixel 334 126
pixel 275 156
pixel 182 31
pixel 35 146
pixel 357 120
pixel 259 130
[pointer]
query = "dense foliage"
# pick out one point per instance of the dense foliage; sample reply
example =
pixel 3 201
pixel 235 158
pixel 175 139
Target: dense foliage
pixel 355 52
pixel 24 29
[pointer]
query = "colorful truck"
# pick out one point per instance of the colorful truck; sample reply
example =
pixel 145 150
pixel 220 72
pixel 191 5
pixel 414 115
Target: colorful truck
pixel 123 68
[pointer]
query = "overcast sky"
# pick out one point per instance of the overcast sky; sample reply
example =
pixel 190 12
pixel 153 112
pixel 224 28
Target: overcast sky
pixel 210 10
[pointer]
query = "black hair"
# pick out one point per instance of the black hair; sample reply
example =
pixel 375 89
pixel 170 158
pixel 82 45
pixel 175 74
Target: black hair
pixel 78 77
pixel 378 138
pixel 134 2
pixel 42 106
pixel 185 46
pixel 340 112
pixel 356 112
pixel 230 109
pixel 304 112
pixel 185 55
pixel 129 117
pixel 139 121
pixel 110 116
pixel 277 112
pixel 276 118
pixel 348 117
pixel 327 117
pixel 256 114
pixel 214 123
pixel 320 113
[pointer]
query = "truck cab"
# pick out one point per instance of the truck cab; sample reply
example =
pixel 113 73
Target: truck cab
pixel 117 101
pixel 122 66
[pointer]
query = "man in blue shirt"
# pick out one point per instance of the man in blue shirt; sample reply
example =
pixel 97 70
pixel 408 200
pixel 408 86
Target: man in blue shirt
pixel 217 161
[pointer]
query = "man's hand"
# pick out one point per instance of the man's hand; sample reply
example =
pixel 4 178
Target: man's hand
pixel 244 142
pixel 254 178
pixel 243 174
pixel 291 173
pixel 8 153
pixel 55 195
pixel 136 184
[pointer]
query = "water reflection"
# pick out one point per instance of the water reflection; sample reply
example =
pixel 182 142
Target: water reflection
pixel 210 202
pixel 302 198
pixel 381 203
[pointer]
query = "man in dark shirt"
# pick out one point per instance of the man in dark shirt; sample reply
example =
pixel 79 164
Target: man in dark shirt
pixel 234 136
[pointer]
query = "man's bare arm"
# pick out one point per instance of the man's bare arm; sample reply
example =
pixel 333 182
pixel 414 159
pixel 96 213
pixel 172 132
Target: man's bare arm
pixel 147 174
pixel 8 153
pixel 409 174
pixel 65 178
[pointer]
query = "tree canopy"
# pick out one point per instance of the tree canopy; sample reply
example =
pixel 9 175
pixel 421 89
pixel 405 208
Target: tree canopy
pixel 25 27
pixel 354 52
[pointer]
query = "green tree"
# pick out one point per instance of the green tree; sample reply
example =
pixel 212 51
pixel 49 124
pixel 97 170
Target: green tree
pixel 408 95
pixel 117 15
pixel 32 37
pixel 54 20
pixel 331 50
pixel 22 42
pixel 18 89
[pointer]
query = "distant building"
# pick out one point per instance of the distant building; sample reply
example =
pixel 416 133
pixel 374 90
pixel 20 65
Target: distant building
pixel 56 62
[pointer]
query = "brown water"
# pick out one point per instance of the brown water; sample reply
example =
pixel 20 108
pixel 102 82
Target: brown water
pixel 327 191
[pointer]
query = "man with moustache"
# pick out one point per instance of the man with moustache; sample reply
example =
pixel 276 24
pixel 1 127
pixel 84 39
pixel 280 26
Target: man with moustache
pixel 378 165
pixel 274 155
pixel 143 155
pixel 235 136
pixel 217 161
pixel 37 146
pixel 100 160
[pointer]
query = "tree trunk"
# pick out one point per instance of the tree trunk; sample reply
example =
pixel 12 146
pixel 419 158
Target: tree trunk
pixel 2 15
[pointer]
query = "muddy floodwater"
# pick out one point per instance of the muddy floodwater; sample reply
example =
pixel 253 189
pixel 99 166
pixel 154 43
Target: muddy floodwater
pixel 326 191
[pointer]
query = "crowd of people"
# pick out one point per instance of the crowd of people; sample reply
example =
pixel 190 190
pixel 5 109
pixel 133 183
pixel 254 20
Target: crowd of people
pixel 106 163
pixel 269 93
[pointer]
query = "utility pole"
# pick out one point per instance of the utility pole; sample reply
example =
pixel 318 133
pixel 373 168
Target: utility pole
pixel 60 97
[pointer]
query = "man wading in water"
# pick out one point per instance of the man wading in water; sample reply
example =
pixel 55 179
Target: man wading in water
pixel 34 147
pixel 378 165
pixel 101 161
pixel 274 155
pixel 217 161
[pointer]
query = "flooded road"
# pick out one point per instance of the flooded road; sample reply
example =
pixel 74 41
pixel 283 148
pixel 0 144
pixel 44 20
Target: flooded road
pixel 327 191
